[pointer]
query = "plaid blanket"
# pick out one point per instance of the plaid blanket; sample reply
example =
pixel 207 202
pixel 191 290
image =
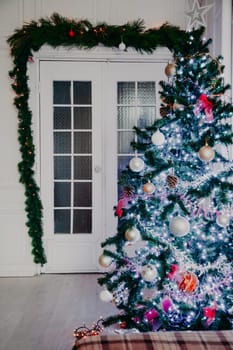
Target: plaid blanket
pixel 201 340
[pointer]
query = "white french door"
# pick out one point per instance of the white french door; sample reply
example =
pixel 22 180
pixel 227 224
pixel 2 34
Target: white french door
pixel 87 111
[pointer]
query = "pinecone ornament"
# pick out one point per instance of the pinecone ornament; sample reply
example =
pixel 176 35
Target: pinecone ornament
pixel 172 181
pixel 128 191
pixel 164 111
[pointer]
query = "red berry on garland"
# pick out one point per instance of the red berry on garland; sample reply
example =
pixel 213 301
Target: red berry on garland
pixel 30 59
pixel 71 33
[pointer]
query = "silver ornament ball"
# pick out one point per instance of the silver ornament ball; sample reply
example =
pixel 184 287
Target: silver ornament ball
pixel 158 138
pixel 179 226
pixel 223 220
pixel 148 273
pixel 105 260
pixel 122 46
pixel 132 234
pixel 136 164
pixel 106 296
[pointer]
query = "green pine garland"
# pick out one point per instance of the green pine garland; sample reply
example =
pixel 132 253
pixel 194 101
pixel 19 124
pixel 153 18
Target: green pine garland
pixel 60 31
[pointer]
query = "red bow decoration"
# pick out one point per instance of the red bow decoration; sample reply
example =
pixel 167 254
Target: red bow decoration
pixel 119 208
pixel 167 304
pixel 204 104
pixel 151 315
pixel 173 271
pixel 210 313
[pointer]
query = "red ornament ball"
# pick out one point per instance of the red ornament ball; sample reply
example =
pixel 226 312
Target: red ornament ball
pixel 71 33
pixel 188 282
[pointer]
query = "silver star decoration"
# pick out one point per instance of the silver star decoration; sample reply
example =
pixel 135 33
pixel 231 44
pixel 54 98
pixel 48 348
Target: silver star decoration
pixel 197 15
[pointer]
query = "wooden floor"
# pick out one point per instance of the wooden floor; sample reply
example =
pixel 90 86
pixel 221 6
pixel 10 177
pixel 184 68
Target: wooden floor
pixel 41 312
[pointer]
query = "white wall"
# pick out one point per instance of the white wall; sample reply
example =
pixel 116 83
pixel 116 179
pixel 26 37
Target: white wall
pixel 15 246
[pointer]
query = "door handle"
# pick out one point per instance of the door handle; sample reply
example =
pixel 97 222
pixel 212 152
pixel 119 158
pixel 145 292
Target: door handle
pixel 97 169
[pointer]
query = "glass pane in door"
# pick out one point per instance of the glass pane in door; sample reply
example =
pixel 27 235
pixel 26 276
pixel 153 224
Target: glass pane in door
pixel 72 157
pixel 136 106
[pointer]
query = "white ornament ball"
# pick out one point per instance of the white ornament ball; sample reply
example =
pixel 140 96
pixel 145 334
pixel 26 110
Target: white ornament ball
pixel 148 273
pixel 158 138
pixel 179 226
pixel 149 188
pixel 136 164
pixel 122 46
pixel 105 260
pixel 206 153
pixel 132 234
pixel 223 220
pixel 106 296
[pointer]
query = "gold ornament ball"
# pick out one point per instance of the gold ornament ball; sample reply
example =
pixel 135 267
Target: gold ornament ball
pixel 105 260
pixel 149 188
pixel 206 153
pixel 170 69
pixel 148 273
pixel 132 234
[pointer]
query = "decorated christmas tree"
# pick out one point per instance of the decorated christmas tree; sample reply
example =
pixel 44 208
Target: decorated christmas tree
pixel 170 264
